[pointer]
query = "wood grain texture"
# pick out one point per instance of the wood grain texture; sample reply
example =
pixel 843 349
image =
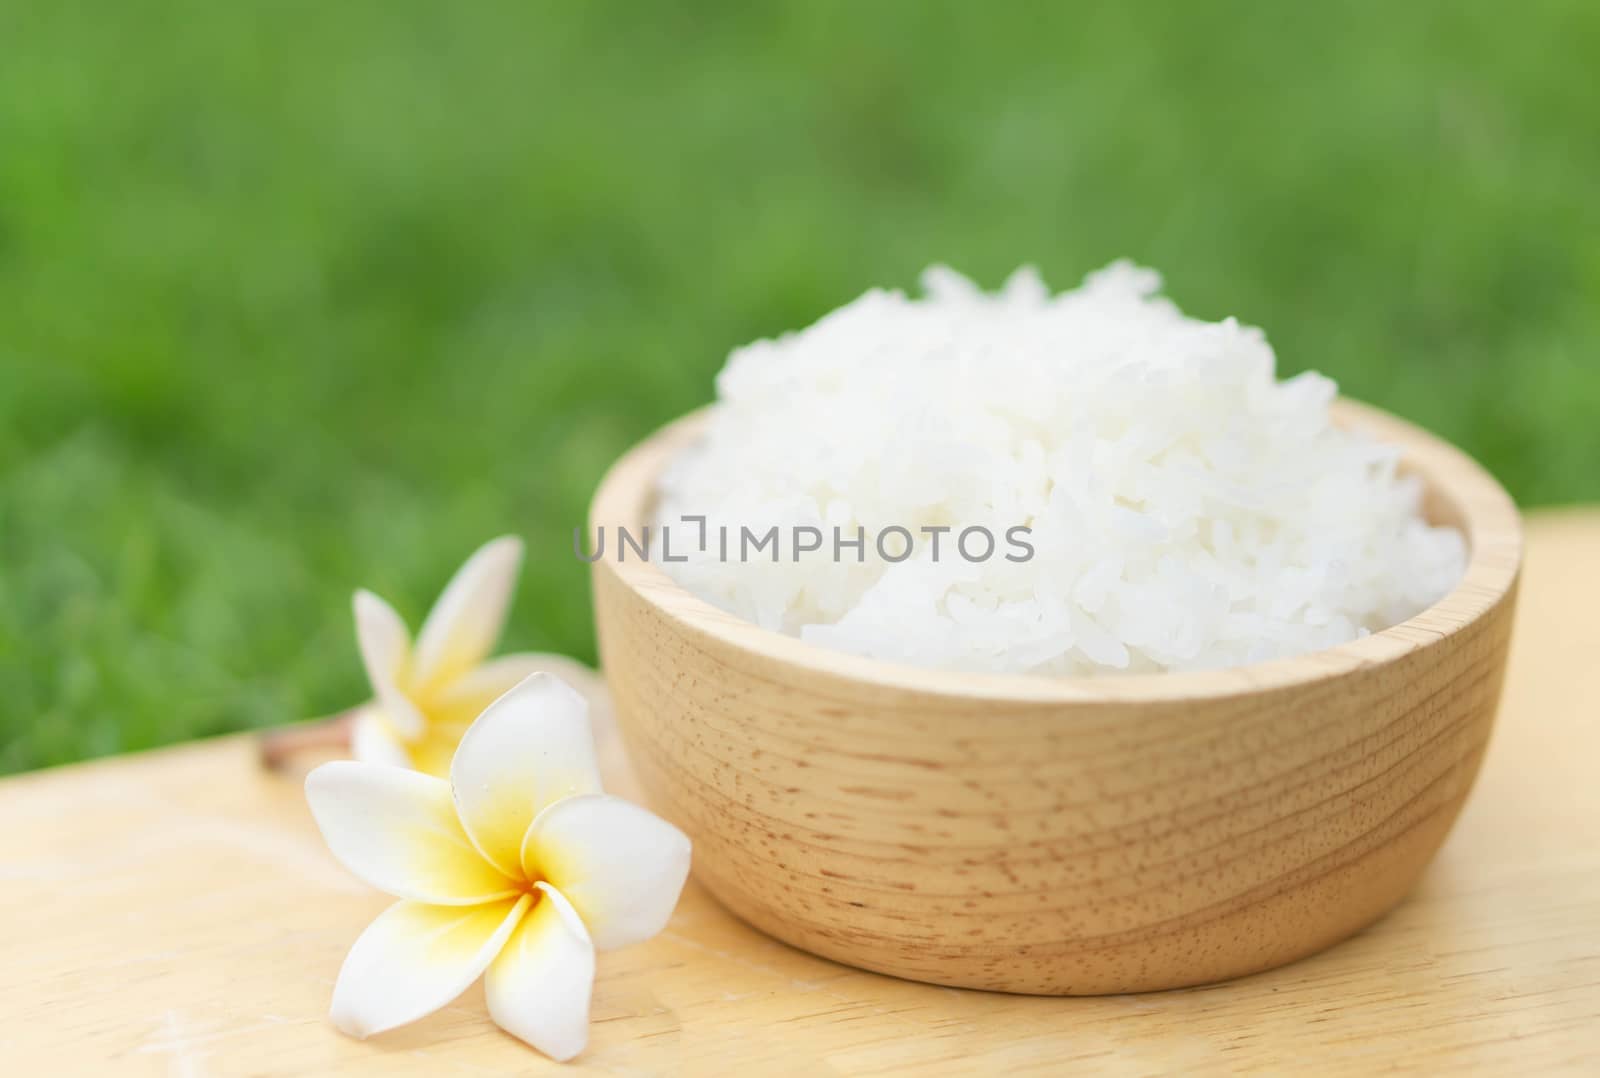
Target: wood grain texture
pixel 175 913
pixel 1051 835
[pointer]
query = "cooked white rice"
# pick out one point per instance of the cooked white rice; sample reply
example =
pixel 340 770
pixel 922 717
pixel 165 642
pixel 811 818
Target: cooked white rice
pixel 1187 510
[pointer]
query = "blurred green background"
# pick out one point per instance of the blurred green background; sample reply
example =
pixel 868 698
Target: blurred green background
pixel 299 297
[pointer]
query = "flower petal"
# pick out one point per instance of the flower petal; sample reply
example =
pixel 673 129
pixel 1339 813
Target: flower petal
pixel 530 748
pixel 433 752
pixel 386 652
pixel 465 698
pixel 539 987
pixel 415 958
pixel 372 741
pixel 464 624
pixel 621 866
pixel 398 831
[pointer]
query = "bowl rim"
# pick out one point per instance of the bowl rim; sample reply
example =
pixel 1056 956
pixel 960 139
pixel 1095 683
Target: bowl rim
pixel 1488 517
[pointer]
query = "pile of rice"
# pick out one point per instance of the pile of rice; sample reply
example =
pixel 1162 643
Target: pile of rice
pixel 1188 510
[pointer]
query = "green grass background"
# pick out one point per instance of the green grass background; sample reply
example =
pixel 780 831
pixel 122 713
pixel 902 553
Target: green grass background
pixel 299 297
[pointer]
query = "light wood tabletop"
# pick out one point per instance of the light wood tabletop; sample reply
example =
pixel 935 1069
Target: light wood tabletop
pixel 177 913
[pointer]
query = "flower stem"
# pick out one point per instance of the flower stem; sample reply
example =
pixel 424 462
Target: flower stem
pixel 278 745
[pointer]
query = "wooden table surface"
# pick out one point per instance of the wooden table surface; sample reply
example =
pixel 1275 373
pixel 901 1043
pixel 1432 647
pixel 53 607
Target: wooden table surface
pixel 176 913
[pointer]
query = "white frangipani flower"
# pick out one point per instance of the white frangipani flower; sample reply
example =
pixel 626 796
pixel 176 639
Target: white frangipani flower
pixel 426 696
pixel 518 867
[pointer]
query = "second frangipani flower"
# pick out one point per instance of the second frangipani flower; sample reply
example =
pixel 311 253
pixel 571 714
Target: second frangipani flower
pixel 425 696
pixel 518 867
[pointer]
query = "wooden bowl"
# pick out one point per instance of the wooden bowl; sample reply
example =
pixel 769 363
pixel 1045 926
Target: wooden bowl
pixel 1061 836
